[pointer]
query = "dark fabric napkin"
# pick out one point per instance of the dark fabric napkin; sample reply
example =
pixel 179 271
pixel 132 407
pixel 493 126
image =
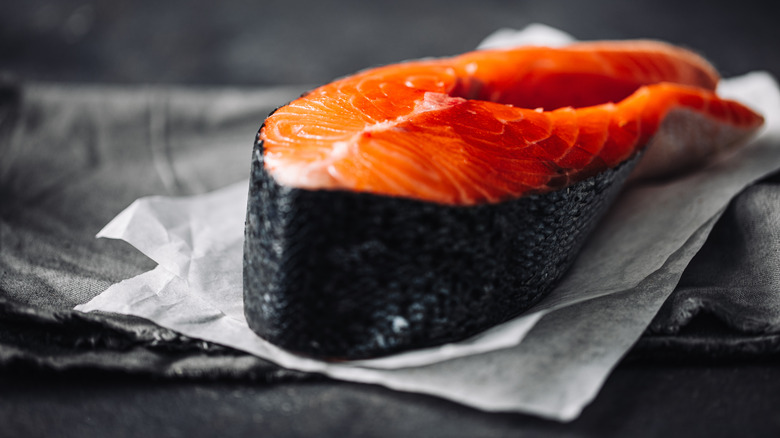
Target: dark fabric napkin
pixel 72 157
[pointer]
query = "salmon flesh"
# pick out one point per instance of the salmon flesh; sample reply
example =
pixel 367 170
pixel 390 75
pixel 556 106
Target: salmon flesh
pixel 419 203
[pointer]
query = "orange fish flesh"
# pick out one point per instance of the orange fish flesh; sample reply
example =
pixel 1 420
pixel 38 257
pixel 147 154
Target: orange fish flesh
pixel 491 125
pixel 420 203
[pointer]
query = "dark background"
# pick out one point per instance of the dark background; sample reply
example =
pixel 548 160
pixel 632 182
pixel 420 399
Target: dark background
pixel 241 43
pixel 202 42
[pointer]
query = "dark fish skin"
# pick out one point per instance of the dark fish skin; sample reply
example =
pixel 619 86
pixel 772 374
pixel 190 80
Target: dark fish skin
pixel 349 275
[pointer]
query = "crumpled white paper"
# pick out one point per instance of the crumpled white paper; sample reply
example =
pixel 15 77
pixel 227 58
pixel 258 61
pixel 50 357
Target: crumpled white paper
pixel 549 362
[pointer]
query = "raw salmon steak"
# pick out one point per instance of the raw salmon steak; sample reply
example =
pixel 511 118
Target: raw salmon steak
pixel 422 202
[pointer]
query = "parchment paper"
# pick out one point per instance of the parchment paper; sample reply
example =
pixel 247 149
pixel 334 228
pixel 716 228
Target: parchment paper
pixel 549 362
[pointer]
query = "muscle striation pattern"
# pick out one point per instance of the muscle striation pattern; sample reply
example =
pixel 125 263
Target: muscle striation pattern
pixel 491 125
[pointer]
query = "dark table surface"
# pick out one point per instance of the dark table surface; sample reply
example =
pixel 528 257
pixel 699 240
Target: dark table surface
pixel 200 43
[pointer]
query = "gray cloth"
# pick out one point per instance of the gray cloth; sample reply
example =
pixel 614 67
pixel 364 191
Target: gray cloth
pixel 727 303
pixel 72 157
pixel 736 275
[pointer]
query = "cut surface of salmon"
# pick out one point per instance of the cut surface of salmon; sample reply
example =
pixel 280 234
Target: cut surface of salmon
pixel 421 203
pixel 493 125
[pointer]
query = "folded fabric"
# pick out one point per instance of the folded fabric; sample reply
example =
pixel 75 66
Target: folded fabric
pixel 74 156
pixel 736 275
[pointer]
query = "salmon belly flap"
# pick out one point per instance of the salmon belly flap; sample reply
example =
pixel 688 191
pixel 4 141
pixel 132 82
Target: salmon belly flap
pixel 423 202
